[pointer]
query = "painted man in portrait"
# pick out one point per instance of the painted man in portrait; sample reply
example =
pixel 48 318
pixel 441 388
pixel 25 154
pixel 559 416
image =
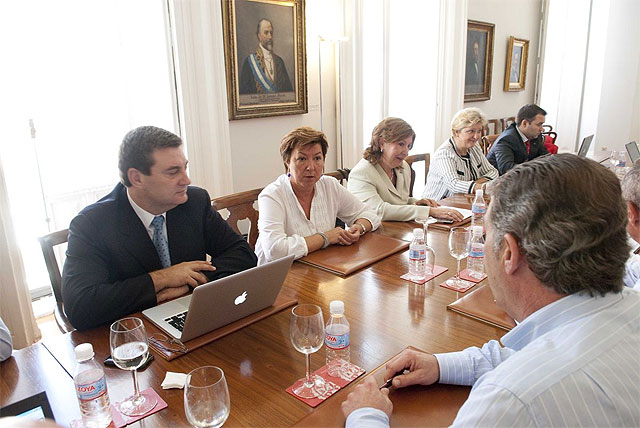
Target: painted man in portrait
pixel 263 71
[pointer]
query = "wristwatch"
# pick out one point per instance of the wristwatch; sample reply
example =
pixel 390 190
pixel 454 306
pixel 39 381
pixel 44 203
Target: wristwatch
pixel 325 239
pixel 364 229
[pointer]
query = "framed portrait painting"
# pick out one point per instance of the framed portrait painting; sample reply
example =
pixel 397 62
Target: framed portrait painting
pixel 479 61
pixel 516 70
pixel 265 57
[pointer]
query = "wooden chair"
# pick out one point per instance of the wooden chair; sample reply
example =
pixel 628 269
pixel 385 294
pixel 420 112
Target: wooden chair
pixel 48 242
pixel 340 174
pixel 487 141
pixel 426 157
pixel 240 207
pixel 506 121
pixel 492 127
pixel 547 128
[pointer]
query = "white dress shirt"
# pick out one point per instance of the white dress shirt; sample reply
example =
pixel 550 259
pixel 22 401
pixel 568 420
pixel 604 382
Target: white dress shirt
pixel 571 363
pixel 146 218
pixel 283 225
pixel 6 343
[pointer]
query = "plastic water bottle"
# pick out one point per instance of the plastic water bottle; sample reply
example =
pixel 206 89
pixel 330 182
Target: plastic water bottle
pixel 418 255
pixel 478 209
pixel 91 388
pixel 475 262
pixel 336 338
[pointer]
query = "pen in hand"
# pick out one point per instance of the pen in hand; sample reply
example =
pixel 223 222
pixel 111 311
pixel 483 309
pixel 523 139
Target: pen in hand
pixel 387 384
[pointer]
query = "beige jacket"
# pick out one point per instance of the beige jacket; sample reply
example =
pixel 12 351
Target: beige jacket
pixel 371 185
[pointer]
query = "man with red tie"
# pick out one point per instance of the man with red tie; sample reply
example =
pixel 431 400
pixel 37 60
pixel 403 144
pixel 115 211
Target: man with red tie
pixel 521 141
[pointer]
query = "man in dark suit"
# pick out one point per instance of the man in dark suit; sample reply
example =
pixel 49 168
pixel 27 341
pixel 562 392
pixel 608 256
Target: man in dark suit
pixel 521 141
pixel 263 71
pixel 146 241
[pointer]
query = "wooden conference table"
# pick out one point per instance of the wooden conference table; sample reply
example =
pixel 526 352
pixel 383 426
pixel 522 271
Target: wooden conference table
pixel 386 315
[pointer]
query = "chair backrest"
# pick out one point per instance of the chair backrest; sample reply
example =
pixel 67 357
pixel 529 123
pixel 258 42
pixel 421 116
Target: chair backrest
pixel 241 206
pixel 547 128
pixel 493 127
pixel 340 174
pixel 48 242
pixel 487 141
pixel 426 157
pixel 506 121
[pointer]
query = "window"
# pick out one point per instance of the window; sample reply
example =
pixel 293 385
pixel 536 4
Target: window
pixel 85 73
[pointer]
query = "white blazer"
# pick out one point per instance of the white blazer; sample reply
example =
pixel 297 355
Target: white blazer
pixel 370 184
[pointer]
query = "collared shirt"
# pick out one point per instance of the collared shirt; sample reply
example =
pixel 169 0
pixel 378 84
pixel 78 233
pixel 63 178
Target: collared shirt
pixel 632 272
pixel 452 173
pixel 283 224
pixel 146 218
pixel 571 363
pixel 268 62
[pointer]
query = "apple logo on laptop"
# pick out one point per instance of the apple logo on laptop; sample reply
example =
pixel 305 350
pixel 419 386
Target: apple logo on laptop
pixel 241 298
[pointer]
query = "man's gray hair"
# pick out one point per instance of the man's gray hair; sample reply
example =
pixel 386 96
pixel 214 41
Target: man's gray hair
pixel 631 185
pixel 569 219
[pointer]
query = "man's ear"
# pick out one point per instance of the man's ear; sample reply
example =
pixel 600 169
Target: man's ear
pixel 511 255
pixel 134 176
pixel 634 214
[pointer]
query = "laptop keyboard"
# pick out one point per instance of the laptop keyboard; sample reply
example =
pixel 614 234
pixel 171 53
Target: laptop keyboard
pixel 177 321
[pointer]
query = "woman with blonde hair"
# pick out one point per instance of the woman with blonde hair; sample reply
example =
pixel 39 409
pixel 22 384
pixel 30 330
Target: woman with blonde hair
pixel 298 211
pixel 459 166
pixel 382 179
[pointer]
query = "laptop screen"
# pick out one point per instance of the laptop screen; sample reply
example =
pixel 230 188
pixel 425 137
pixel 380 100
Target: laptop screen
pixel 584 147
pixel 632 150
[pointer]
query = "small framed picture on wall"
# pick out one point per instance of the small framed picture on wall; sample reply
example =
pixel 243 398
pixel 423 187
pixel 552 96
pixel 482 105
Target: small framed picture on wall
pixel 477 78
pixel 516 70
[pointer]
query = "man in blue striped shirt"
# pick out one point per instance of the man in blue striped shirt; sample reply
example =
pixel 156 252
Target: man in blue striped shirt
pixel 555 252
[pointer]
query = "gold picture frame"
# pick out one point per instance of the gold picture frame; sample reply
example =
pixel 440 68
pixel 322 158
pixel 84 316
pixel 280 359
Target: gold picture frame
pixel 479 61
pixel 515 73
pixel 265 57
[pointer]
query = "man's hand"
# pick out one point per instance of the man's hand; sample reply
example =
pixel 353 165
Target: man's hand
pixel 171 293
pixel 423 369
pixel 428 203
pixel 180 275
pixel 367 394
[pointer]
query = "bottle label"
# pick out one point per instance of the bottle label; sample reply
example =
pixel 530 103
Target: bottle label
pixel 337 342
pixel 417 254
pixel 478 209
pixel 91 391
pixel 477 251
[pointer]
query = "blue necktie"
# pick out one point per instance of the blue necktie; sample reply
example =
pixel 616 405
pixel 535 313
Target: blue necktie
pixel 160 241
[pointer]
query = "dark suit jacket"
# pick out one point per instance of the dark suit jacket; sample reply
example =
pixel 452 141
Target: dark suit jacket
pixel 109 255
pixel 248 83
pixel 509 150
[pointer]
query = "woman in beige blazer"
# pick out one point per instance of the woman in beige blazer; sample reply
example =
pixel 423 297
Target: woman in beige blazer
pixel 382 178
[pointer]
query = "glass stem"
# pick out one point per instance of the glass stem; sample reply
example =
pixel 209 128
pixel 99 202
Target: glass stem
pixel 458 274
pixel 308 382
pixel 136 389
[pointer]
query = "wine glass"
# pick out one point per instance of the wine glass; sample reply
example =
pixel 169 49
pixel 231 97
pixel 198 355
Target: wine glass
pixel 129 349
pixel 307 335
pixel 206 397
pixel 459 238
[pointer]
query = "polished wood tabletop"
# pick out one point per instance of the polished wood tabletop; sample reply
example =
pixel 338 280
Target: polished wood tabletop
pixel 386 314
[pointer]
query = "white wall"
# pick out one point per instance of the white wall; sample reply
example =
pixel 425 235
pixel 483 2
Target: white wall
pixel 518 18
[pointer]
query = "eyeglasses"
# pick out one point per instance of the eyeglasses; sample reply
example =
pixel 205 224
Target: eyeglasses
pixel 164 343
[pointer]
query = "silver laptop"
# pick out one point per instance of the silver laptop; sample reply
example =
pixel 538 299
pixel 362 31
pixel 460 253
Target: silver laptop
pixel 632 150
pixel 221 302
pixel 585 145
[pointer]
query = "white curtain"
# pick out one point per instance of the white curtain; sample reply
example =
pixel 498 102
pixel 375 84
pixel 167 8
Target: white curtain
pixel 197 29
pixel 15 301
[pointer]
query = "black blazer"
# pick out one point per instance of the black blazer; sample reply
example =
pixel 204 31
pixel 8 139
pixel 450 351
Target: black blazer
pixel 109 255
pixel 509 150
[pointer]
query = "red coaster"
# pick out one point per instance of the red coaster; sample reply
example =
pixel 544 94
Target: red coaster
pixel 465 286
pixel 120 420
pixel 350 372
pixel 437 270
pixel 466 275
